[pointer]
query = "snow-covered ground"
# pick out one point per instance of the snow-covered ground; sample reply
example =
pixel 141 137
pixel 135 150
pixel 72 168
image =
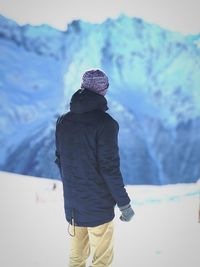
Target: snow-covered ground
pixel 33 232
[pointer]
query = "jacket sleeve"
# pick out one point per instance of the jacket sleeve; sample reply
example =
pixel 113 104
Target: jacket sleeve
pixel 57 154
pixel 57 158
pixel 109 161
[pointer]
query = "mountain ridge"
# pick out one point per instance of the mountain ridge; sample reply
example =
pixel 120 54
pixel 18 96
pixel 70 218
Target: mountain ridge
pixel 154 94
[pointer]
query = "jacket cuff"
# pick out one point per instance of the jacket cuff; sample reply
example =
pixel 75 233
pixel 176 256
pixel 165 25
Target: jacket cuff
pixel 124 207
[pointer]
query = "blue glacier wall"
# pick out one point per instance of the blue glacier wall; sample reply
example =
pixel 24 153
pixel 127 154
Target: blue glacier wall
pixel 154 94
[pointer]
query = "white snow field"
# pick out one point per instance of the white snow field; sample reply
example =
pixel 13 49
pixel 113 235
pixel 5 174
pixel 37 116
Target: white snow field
pixel 165 231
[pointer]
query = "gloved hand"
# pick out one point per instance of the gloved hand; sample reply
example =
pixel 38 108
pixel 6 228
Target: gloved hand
pixel 127 213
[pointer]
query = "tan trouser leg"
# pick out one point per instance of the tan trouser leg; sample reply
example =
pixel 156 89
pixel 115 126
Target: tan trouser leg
pixel 99 238
pixel 101 242
pixel 80 249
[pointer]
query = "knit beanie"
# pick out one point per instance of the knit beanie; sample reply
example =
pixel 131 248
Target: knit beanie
pixel 95 80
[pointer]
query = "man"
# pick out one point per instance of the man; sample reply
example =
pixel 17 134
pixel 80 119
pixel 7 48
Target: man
pixel 88 158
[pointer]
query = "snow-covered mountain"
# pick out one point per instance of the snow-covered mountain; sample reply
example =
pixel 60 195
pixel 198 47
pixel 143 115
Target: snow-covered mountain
pixel 154 93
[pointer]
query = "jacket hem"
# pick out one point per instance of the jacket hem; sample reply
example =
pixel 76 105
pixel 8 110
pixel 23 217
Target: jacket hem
pixel 94 223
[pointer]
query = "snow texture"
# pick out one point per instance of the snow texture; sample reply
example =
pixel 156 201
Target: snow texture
pixel 164 232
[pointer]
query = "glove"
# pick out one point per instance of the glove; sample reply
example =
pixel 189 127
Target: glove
pixel 127 213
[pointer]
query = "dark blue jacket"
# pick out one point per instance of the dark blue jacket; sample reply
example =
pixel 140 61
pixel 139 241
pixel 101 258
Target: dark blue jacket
pixel 88 158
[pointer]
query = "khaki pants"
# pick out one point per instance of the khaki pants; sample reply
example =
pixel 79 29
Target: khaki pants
pixel 97 240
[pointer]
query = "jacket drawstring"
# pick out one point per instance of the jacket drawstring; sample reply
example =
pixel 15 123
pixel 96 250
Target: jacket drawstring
pixel 73 224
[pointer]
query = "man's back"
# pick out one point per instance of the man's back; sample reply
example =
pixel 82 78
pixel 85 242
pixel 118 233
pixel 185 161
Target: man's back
pixel 86 139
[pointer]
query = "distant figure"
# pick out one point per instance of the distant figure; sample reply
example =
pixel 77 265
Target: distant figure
pixel 88 158
pixel 54 187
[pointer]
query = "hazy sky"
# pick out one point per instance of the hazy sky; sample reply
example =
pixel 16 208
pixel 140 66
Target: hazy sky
pixel 178 15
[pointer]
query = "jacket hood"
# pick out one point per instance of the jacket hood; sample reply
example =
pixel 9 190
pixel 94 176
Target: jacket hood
pixel 85 100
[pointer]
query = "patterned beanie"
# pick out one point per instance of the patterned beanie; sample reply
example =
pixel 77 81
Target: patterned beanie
pixel 95 80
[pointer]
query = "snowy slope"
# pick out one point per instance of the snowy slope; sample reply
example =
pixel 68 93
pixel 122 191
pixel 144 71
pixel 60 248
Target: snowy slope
pixel 154 94
pixel 164 232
